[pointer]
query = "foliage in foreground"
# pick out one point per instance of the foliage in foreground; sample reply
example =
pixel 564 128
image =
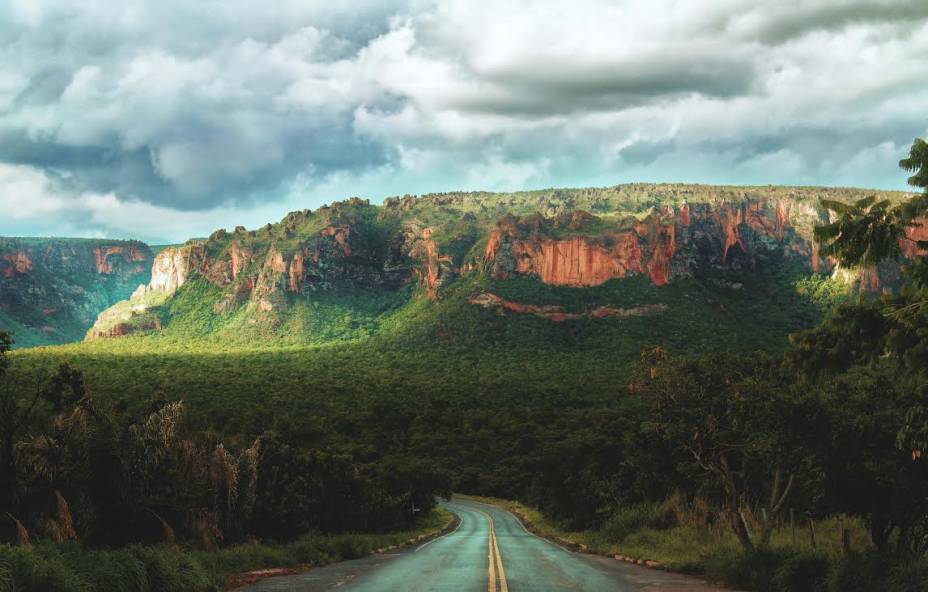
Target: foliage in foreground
pixel 74 468
pixel 71 567
pixel 675 533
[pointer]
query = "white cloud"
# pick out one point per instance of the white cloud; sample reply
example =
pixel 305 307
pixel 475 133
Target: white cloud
pixel 209 110
pixel 27 193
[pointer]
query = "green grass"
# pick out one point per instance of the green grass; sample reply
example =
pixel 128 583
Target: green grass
pixel 651 531
pixel 70 567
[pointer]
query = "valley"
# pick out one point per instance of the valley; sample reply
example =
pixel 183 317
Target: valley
pixel 511 345
pixel 446 295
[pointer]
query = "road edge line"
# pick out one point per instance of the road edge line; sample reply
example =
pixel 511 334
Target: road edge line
pixel 491 556
pixel 427 543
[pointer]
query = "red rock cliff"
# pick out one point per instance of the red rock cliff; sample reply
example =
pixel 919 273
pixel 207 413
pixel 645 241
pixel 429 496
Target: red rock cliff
pixel 130 254
pixel 18 263
pixel 664 245
pixel 578 261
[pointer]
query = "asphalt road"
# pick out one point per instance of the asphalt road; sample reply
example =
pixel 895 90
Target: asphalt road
pixel 489 551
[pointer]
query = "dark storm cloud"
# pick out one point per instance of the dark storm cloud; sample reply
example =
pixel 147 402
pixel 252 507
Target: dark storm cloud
pixel 781 21
pixel 108 168
pixel 552 86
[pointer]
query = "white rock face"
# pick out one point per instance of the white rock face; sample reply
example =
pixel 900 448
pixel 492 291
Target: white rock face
pixel 169 271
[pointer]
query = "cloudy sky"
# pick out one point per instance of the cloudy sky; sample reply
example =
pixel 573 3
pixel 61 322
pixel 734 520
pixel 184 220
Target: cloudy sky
pixel 167 119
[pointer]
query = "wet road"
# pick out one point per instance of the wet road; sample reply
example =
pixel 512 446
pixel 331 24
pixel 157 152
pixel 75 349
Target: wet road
pixel 489 551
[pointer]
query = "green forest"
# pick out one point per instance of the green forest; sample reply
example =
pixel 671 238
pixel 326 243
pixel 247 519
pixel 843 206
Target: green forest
pixel 723 426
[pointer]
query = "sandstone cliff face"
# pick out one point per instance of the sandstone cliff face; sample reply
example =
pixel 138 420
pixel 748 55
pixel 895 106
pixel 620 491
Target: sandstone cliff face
pixel 432 268
pixel 886 277
pixel 263 269
pixel 578 261
pixel 579 238
pixel 131 253
pixel 52 289
pixel 18 263
pixel 666 244
pixel 915 234
pixel 169 270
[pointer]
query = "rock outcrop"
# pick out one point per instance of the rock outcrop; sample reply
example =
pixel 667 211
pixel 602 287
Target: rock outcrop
pixel 169 270
pixel 915 235
pixel 576 238
pixel 267 268
pixel 433 269
pixel 18 263
pixel 666 244
pixel 558 314
pixel 130 253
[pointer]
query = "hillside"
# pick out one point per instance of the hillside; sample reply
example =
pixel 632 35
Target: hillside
pixel 51 289
pixel 614 258
pixel 546 296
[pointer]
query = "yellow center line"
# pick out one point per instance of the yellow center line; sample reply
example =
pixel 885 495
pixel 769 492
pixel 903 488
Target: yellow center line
pixel 496 575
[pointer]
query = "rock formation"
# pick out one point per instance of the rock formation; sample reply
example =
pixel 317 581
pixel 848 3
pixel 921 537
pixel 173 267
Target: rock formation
pixel 575 238
pixel 52 289
pixel 663 245
pixel 558 314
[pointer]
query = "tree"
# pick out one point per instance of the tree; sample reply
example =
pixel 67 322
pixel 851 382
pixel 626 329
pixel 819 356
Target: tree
pixel 868 231
pixel 870 356
pixel 864 472
pixel 738 423
pixel 16 414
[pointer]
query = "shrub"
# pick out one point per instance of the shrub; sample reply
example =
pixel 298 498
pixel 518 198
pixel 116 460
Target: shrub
pixel 859 573
pixel 351 546
pixel 634 518
pixel 308 550
pixel 6 574
pixel 112 570
pixel 909 576
pixel 802 572
pixel 756 570
pixel 171 571
pixel 39 569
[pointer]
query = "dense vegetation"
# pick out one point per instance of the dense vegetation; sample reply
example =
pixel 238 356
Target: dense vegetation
pixel 211 441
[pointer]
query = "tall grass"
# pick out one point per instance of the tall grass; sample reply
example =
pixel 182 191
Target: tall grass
pixel 69 567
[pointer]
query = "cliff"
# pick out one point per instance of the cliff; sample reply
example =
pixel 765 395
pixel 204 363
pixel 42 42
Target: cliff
pixel 263 271
pixel 581 250
pixel 270 280
pixel 51 290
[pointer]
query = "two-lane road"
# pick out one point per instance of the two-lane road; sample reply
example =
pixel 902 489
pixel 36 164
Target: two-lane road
pixel 489 551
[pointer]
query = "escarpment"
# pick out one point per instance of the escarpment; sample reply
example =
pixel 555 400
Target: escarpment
pixel 666 243
pixel 579 239
pixel 52 289
pixel 265 270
